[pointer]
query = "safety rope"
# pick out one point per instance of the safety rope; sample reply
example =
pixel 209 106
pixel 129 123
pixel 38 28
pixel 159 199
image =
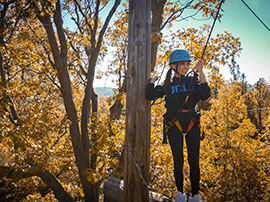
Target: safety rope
pixel 142 178
pixel 255 15
pixel 211 29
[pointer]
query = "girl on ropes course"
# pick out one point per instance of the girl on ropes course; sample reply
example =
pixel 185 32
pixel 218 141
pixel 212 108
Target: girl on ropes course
pixel 182 93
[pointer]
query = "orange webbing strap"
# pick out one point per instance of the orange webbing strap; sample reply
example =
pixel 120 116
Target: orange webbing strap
pixel 178 125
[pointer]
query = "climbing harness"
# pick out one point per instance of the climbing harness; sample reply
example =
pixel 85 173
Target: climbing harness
pixel 167 124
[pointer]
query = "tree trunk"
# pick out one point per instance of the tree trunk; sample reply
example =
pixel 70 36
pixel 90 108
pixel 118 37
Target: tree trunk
pixel 157 17
pixel 60 60
pixel 137 152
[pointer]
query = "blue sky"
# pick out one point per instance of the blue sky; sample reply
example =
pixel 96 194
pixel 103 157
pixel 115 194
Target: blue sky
pixel 254 60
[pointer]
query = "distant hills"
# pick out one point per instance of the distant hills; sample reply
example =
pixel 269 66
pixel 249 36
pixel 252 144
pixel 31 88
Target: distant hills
pixel 105 91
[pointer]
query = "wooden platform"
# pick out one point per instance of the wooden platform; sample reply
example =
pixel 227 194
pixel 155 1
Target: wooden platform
pixel 114 192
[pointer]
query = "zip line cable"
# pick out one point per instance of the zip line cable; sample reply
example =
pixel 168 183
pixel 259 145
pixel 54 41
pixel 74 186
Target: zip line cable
pixel 211 29
pixel 258 109
pixel 255 15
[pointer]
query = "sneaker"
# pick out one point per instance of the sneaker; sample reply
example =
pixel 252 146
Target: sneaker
pixel 180 197
pixel 195 198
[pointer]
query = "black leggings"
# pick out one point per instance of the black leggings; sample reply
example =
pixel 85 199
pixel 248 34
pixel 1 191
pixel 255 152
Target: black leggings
pixel 193 147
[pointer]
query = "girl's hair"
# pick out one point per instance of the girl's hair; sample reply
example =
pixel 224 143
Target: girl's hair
pixel 167 82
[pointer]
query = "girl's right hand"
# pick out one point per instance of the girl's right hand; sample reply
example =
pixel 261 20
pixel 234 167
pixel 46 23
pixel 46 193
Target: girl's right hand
pixel 199 65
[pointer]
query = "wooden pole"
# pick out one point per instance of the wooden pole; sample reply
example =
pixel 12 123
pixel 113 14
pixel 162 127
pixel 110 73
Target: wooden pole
pixel 137 152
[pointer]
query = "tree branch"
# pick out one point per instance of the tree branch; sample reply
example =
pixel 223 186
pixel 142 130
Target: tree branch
pixel 19 16
pixel 157 17
pixel 13 116
pixel 180 10
pixel 66 90
pixel 86 19
pixel 2 71
pixel 44 174
pixel 59 26
pixel 93 34
pixel 90 77
pixel 101 34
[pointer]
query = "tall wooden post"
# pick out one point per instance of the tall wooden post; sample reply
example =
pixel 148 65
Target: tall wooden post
pixel 137 152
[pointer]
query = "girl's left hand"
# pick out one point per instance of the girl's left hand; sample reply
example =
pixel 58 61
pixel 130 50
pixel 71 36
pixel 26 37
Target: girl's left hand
pixel 154 79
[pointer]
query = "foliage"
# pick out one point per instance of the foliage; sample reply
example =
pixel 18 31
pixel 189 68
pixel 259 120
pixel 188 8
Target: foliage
pixel 40 138
pixel 161 158
pixel 257 100
pixel 234 156
pixel 41 141
pixel 117 40
pixel 237 162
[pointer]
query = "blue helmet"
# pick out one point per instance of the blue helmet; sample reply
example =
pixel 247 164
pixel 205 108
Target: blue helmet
pixel 179 55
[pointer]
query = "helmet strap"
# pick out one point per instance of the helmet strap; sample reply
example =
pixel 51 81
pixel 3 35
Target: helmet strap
pixel 176 69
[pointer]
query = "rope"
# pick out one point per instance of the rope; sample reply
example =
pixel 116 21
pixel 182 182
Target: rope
pixel 142 178
pixel 255 15
pixel 212 28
